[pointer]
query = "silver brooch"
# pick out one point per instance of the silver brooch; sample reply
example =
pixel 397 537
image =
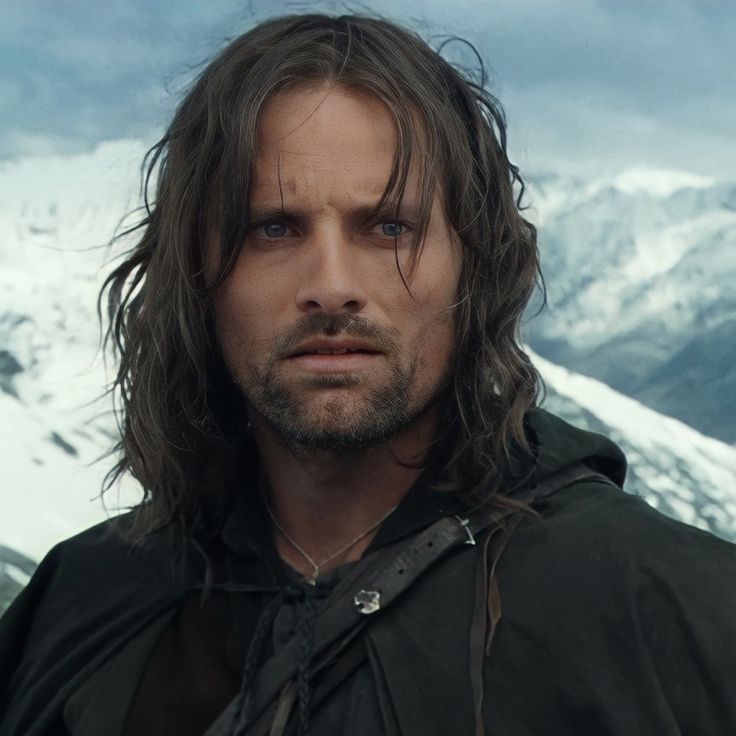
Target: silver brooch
pixel 368 601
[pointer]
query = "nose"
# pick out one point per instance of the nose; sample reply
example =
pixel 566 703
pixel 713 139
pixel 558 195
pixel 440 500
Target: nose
pixel 331 279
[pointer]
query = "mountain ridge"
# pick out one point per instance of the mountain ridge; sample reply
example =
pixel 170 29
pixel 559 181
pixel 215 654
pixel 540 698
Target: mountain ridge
pixel 642 293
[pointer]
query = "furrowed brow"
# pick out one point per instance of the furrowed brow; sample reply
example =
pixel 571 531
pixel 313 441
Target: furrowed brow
pixel 267 212
pixel 258 214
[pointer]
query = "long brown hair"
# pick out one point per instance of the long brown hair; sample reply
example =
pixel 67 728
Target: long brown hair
pixel 181 417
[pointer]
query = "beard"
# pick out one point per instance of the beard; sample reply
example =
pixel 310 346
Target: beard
pixel 338 422
pixel 353 414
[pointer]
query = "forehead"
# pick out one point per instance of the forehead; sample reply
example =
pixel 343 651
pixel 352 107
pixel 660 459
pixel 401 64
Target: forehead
pixel 344 135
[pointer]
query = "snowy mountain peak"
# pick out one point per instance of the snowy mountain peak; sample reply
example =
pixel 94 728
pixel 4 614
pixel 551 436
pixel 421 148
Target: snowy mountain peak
pixel 658 182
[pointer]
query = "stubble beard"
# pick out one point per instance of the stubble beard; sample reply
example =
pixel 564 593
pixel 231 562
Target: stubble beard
pixel 337 412
pixel 354 416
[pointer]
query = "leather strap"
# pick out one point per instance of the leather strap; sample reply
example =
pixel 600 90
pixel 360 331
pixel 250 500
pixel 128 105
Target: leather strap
pixel 373 584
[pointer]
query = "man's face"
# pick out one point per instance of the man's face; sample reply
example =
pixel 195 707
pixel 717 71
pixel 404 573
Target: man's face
pixel 317 275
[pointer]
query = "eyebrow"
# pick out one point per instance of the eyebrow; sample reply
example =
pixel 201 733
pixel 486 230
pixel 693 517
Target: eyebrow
pixel 262 213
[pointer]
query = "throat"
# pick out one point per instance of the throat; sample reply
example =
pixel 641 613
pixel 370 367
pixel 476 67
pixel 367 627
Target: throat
pixel 326 509
pixel 313 560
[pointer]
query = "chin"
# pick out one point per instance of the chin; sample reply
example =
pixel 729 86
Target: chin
pixel 334 439
pixel 337 425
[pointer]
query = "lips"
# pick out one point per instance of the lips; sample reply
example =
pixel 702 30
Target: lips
pixel 336 351
pixel 332 356
pixel 332 347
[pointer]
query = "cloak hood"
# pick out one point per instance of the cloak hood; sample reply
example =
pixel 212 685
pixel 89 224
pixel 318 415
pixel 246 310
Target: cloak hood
pixel 559 445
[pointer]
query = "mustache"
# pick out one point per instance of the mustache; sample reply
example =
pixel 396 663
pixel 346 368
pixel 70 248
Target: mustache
pixel 326 325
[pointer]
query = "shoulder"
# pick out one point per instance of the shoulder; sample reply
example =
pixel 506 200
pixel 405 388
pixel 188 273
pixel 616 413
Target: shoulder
pixel 89 595
pixel 604 594
pixel 99 559
pixel 91 578
pixel 603 564
pixel 594 537
pixel 594 523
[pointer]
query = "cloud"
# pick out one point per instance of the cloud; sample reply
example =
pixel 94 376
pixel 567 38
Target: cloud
pixel 613 79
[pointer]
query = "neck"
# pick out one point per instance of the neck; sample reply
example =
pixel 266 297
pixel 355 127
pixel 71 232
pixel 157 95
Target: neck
pixel 324 500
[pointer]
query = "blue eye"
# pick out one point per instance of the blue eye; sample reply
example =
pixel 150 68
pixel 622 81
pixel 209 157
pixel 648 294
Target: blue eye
pixel 274 230
pixel 392 229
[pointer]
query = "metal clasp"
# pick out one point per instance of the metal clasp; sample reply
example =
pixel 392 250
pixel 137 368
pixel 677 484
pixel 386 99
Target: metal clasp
pixel 368 601
pixel 464 523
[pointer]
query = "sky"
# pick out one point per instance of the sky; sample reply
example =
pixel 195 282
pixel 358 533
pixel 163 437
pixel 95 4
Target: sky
pixel 588 86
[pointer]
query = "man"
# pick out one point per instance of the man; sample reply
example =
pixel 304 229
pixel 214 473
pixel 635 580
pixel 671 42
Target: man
pixel 356 521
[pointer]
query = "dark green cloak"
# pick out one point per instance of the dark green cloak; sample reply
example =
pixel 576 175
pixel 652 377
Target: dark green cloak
pixel 615 620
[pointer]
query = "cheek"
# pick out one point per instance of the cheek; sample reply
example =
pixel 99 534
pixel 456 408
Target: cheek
pixel 432 333
pixel 432 356
pixel 244 304
pixel 436 282
pixel 235 319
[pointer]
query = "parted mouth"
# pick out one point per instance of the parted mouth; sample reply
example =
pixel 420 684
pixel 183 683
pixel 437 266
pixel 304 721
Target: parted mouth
pixel 338 346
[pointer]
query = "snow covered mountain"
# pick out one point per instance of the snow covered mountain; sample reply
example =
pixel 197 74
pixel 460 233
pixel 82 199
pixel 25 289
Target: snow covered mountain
pixel 684 474
pixel 56 215
pixel 641 276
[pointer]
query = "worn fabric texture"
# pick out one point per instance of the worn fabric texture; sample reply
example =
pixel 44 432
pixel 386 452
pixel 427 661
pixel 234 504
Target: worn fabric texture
pixel 610 619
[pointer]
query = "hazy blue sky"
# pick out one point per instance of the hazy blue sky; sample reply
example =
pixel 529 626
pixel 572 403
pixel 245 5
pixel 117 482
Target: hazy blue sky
pixel 586 85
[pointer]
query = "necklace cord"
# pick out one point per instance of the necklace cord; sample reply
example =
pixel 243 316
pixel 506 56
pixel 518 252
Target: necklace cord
pixel 317 566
